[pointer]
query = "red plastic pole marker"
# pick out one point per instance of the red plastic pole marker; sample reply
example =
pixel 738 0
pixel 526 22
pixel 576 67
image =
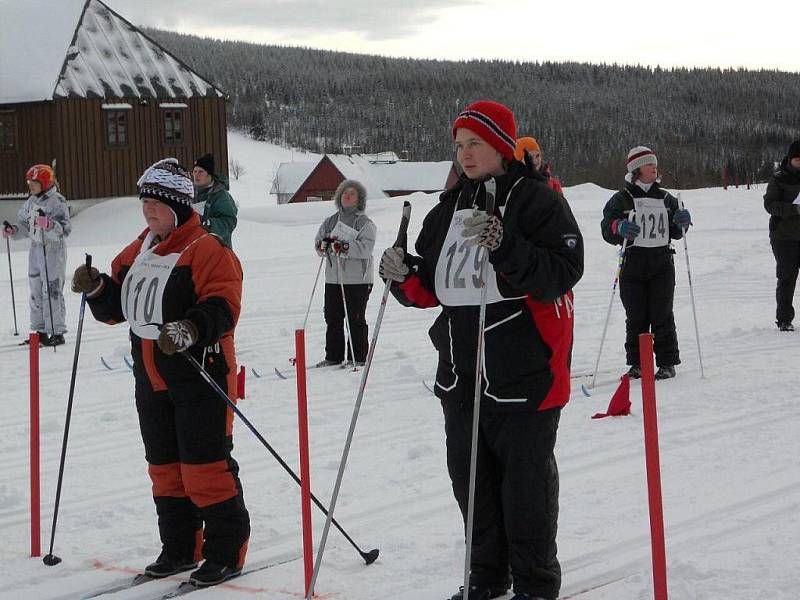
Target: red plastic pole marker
pixel 653 466
pixel 240 382
pixel 305 469
pixel 36 533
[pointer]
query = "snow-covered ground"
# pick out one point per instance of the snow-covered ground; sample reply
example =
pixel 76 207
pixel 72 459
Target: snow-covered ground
pixel 731 483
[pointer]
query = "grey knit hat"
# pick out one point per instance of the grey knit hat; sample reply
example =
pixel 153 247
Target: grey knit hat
pixel 357 186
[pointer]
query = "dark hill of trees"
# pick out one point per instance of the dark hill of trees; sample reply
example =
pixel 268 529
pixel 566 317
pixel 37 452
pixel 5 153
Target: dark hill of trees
pixel 586 117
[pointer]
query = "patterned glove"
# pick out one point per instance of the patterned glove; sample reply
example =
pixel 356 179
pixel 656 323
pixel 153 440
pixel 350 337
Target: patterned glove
pixel 484 230
pixel 44 222
pixel 339 247
pixel 87 281
pixel 627 229
pixel 393 265
pixel 682 218
pixel 177 336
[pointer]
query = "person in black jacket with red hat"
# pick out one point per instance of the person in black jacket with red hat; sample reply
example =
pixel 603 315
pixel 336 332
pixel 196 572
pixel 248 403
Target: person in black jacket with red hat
pixel 535 258
pixel 647 279
pixel 781 203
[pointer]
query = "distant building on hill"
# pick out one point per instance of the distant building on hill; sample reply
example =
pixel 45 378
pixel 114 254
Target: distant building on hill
pixel 82 85
pixel 383 175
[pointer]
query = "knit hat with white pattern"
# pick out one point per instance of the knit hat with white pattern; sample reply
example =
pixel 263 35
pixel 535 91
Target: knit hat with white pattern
pixel 640 156
pixel 169 182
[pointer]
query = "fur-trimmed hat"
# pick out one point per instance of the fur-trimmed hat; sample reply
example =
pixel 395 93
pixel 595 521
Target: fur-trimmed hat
pixel 640 156
pixel 168 182
pixel 357 186
pixel 494 122
pixel 43 174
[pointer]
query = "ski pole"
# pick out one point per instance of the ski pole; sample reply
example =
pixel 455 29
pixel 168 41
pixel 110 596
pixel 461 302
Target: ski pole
pixel 691 294
pixel 491 188
pixel 11 279
pixel 369 557
pixel 313 291
pixel 50 559
pixel 47 284
pixel 620 261
pixel 400 242
pixel 346 316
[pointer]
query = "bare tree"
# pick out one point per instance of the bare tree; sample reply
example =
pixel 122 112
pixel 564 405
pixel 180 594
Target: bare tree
pixel 236 169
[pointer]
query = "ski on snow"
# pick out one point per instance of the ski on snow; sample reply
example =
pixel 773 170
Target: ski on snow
pixel 343 366
pixel 184 587
pixel 108 363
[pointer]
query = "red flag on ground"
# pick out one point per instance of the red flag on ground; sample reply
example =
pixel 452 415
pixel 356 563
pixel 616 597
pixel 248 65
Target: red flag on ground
pixel 620 404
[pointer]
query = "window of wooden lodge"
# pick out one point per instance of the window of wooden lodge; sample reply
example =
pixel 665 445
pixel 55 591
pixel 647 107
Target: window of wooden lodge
pixel 173 126
pixel 116 127
pixel 8 131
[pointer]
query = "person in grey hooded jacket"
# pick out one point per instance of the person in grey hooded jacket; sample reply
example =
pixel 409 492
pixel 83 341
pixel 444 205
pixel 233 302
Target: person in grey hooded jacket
pixel 44 218
pixel 346 240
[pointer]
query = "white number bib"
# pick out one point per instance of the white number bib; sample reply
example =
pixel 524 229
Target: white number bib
pixel 343 232
pixel 458 269
pixel 143 292
pixel 653 218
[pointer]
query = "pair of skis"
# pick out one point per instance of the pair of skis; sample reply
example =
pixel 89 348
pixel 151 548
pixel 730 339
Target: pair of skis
pixel 107 364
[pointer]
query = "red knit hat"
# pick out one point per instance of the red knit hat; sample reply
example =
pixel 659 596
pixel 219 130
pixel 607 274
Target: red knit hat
pixel 494 122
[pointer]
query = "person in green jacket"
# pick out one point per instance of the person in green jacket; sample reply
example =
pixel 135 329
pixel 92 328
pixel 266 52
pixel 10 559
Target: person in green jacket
pixel 213 200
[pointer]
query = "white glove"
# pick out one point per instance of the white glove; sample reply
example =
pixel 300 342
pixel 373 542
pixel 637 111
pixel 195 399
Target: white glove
pixel 393 266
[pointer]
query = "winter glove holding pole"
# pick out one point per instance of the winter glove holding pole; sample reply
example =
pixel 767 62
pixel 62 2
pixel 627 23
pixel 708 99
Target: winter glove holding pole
pixel 484 230
pixel 87 280
pixel 177 336
pixel 8 230
pixel 625 228
pixel 393 266
pixel 682 218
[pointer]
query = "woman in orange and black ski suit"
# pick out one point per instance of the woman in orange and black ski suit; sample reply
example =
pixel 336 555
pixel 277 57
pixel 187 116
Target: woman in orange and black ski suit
pixel 180 288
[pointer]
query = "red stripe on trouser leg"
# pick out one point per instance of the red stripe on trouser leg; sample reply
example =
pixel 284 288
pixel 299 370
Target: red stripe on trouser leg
pixel 209 483
pixel 198 545
pixel 167 480
pixel 242 554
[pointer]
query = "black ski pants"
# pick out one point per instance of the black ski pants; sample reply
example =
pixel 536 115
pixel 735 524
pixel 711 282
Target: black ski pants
pixel 187 435
pixel 787 264
pixel 356 295
pixel 647 290
pixel 516 494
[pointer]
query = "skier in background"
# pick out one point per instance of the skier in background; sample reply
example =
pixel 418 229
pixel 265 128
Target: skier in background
pixel 535 252
pixel 212 199
pixel 44 218
pixel 346 240
pixel 535 161
pixel 647 280
pixel 781 203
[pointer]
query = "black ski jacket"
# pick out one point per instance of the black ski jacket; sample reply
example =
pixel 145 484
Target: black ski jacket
pixel 782 190
pixel 528 339
pixel 620 205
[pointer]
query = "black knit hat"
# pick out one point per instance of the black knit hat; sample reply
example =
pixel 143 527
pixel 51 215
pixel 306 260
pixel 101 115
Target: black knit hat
pixel 206 162
pixel 794 150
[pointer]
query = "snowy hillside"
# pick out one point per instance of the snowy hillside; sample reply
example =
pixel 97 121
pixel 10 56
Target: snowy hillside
pixel 731 483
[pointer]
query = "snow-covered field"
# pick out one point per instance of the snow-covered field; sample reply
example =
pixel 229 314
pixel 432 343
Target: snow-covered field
pixel 731 483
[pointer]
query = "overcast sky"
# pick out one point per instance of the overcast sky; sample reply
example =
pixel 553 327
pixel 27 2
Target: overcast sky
pixel 667 33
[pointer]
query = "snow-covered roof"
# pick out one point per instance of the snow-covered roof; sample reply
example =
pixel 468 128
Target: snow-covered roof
pixel 401 176
pixel 81 48
pixel 290 176
pixel 382 176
